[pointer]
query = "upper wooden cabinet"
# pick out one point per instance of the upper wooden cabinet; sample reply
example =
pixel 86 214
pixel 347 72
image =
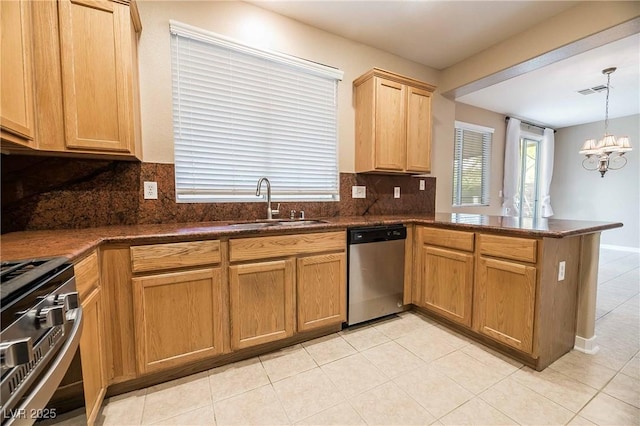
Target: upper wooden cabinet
pixel 16 108
pixel 95 46
pixel 393 123
pixel 84 81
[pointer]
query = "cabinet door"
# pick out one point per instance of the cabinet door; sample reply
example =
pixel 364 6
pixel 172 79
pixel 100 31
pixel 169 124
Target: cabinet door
pixel 16 105
pixel 321 289
pixel 390 125
pixel 418 130
pixel 177 318
pixel 261 296
pixel 505 302
pixel 447 283
pixel 92 350
pixel 96 75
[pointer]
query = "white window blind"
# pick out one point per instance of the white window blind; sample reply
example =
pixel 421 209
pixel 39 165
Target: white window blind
pixel 471 169
pixel 241 113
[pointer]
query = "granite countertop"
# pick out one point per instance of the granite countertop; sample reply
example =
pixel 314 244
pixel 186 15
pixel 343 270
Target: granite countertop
pixel 74 243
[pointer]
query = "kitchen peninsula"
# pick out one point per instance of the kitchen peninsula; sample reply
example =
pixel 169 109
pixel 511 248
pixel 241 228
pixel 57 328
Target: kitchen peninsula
pixel 523 286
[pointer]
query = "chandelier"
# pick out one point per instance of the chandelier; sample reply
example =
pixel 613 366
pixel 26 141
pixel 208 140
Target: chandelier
pixel 608 152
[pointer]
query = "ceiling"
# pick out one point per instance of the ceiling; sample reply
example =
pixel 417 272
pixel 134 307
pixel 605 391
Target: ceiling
pixel 549 95
pixel 460 29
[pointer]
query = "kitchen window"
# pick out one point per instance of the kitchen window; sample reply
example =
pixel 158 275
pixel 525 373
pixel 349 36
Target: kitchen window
pixel 241 113
pixel 471 169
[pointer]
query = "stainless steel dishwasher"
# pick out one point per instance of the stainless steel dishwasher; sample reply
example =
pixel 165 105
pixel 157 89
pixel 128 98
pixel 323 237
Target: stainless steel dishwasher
pixel 376 272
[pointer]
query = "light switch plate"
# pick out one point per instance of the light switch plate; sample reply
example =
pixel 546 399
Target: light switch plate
pixel 396 192
pixel 151 190
pixel 561 269
pixel 358 192
pixel 421 184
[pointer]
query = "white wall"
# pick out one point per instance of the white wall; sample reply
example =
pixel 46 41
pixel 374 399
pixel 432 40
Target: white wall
pixel 258 27
pixel 580 194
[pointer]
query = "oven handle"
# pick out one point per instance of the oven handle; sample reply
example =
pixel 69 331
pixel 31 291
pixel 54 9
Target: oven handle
pixel 39 397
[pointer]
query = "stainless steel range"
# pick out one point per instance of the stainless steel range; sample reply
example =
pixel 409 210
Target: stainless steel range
pixel 41 321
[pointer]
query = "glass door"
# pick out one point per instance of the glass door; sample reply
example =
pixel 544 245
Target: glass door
pixel 527 196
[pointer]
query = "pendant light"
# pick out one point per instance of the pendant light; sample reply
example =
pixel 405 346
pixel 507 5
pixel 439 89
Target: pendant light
pixel 607 153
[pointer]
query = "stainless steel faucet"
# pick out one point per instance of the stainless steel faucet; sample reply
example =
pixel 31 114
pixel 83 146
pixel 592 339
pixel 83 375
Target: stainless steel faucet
pixel 270 212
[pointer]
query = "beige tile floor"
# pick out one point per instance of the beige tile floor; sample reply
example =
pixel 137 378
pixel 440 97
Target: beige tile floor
pixel 408 370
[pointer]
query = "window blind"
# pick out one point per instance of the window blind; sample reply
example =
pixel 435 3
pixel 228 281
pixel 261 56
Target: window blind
pixel 471 168
pixel 241 113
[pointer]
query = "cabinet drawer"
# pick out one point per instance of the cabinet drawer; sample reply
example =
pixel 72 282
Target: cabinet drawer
pixel 174 255
pixel 446 238
pixel 285 245
pixel 87 275
pixel 508 247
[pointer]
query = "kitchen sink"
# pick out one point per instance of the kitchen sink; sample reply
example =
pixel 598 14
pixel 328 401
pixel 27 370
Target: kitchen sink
pixel 272 223
pixel 296 222
pixel 251 225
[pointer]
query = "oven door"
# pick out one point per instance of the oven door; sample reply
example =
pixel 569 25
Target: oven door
pixel 43 380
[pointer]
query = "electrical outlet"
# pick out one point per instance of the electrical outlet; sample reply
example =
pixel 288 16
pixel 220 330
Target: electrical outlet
pixel 358 192
pixel 396 192
pixel 151 190
pixel 421 184
pixel 561 268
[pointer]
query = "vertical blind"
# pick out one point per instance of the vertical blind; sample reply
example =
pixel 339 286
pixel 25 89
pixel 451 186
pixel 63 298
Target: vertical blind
pixel 471 169
pixel 241 113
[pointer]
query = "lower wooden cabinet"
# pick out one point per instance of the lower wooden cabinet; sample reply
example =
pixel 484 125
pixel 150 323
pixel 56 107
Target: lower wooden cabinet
pixel 187 302
pixel 444 273
pixel 178 318
pixel 285 284
pixel 505 302
pixel 261 302
pixel 486 283
pixel 93 346
pixel 447 283
pixel 321 289
pixel 92 352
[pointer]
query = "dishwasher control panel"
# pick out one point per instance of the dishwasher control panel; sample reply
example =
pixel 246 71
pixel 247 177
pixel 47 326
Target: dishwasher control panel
pixel 377 233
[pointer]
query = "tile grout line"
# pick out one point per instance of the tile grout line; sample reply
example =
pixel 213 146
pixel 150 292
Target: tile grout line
pixel 478 395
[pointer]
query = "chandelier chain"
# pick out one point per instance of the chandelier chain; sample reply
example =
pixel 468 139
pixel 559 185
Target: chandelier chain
pixel 606 111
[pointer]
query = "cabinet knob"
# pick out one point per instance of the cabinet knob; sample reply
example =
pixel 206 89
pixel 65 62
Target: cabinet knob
pixel 16 352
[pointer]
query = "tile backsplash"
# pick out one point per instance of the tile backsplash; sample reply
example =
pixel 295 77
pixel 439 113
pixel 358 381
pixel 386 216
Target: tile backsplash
pixel 64 193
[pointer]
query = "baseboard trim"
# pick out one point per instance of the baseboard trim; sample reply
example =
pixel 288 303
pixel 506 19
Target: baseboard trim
pixel 587 346
pixel 620 248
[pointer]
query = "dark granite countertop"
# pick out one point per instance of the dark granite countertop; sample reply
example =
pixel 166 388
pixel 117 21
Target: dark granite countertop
pixel 74 243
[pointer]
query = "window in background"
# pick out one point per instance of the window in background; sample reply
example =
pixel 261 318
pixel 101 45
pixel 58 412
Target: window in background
pixel 240 113
pixel 527 192
pixel 471 169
